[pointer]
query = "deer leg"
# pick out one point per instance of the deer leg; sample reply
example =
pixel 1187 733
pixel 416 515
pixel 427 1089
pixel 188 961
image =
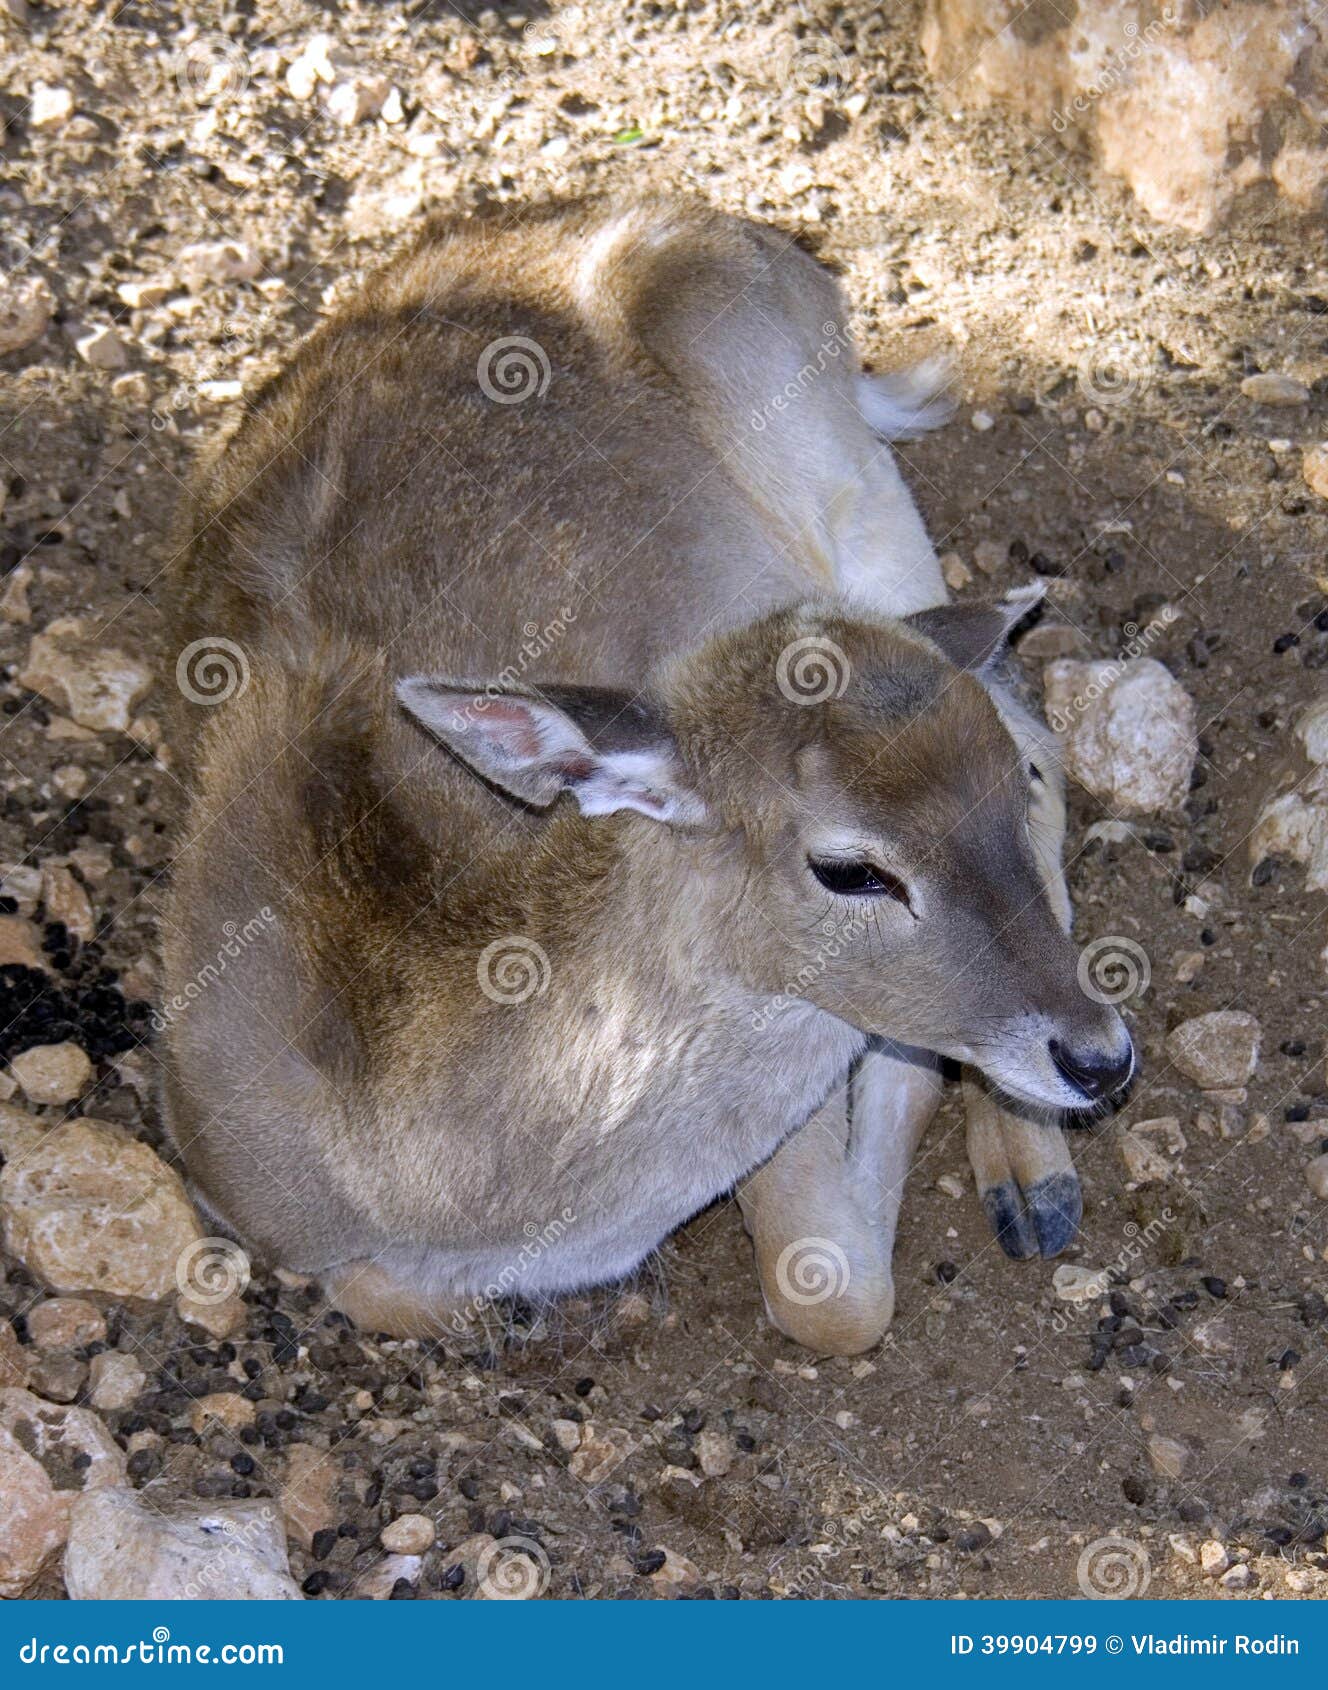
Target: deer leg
pixel 1025 1177
pixel 822 1211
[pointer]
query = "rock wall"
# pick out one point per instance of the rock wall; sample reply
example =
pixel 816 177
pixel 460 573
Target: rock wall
pixel 1192 102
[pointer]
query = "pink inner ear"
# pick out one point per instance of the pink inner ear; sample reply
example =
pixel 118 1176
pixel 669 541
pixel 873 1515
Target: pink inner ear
pixel 511 725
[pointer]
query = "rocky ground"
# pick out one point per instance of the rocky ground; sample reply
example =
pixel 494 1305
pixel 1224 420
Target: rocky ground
pixel 183 193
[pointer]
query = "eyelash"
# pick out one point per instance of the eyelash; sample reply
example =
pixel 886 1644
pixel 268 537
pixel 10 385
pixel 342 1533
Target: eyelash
pixel 858 880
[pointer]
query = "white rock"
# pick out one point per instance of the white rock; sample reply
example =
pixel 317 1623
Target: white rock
pixel 1169 1456
pixel 990 557
pixel 217 261
pixel 221 1319
pixel 86 1209
pixel 102 348
pixel 120 1549
pixel 145 292
pixel 1316 1176
pixel 20 942
pixel 715 1451
pixel 52 1073
pixel 1050 639
pixel 225 1409
pixel 1213 1558
pixel 48 1455
pixel 1144 1162
pixel 115 1380
pixel 376 205
pixel 1238 1578
pixel 65 1323
pixel 49 106
pixel 1312 731
pixel 1290 827
pixel 1214 1336
pixel 358 98
pixel 67 902
pixel 1079 1284
pixel 1218 1050
pixel 312 66
pixel 26 307
pixel 409 1534
pixel 14 606
pixel 1191 114
pixel 567 1434
pixel 376 1583
pixel 1314 468
pixel 23 883
pixel 1128 730
pixel 97 685
pixel 1274 389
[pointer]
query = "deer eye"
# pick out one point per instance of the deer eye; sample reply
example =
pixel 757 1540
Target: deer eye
pixel 850 879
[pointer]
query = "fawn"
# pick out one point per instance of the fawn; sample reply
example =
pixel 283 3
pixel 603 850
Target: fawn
pixel 635 819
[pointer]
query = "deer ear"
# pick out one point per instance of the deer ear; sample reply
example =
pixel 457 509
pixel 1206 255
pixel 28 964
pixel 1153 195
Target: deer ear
pixel 973 636
pixel 611 751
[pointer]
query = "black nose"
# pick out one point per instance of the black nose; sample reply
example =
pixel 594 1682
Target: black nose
pixel 1096 1073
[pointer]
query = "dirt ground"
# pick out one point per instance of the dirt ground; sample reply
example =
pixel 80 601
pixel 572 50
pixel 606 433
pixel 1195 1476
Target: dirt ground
pixel 1000 1433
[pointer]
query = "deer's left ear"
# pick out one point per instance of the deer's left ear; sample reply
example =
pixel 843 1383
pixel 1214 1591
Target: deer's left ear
pixel 973 636
pixel 610 750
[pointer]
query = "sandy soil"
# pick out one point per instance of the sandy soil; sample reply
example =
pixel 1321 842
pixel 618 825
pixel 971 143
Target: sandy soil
pixel 999 1434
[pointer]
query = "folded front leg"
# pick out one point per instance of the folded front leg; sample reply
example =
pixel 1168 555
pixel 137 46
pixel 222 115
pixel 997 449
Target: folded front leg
pixel 822 1211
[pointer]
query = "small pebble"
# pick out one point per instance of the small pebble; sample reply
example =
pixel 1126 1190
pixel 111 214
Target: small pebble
pixel 409 1534
pixel 1270 388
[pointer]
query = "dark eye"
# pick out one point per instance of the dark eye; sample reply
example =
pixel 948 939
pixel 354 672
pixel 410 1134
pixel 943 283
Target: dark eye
pixel 857 880
pixel 1034 772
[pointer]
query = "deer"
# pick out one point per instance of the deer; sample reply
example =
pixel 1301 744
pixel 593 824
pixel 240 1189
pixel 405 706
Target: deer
pixel 634 820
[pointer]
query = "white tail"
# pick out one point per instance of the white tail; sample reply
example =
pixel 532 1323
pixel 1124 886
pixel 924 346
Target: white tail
pixel 903 404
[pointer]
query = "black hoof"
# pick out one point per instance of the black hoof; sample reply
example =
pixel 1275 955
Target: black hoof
pixel 1041 1221
pixel 1010 1221
pixel 1057 1206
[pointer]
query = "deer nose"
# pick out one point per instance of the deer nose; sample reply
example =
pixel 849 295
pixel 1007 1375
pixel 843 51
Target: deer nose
pixel 1096 1073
